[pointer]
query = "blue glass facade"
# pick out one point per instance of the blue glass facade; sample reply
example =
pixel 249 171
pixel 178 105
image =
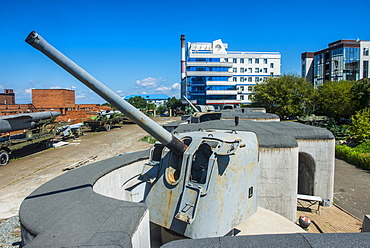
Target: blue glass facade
pixel 221 87
pixel 339 64
pixel 221 97
pixel 204 68
pixel 204 60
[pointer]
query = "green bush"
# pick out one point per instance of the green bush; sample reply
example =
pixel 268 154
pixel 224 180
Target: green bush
pixel 358 156
pixel 149 139
pixel 360 128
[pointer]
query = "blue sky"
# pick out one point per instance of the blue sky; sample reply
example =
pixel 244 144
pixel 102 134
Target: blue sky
pixel 133 47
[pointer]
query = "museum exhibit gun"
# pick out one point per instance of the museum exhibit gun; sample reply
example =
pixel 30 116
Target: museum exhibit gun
pixel 10 123
pixel 197 184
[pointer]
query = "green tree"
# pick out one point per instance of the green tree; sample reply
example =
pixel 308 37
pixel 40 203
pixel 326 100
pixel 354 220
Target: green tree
pixel 334 99
pixel 361 93
pixel 138 102
pixel 161 109
pixel 285 95
pixel 360 128
pixel 173 103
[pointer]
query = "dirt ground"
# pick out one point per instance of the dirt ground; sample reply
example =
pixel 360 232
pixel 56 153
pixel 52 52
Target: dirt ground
pixel 36 166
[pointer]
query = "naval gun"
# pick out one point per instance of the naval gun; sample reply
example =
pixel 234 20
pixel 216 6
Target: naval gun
pixel 197 184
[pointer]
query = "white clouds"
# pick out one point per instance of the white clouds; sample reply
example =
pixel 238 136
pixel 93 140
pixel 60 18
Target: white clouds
pixel 81 95
pixel 163 89
pixel 149 82
pixel 176 86
pixel 28 91
pixel 157 86
pixel 56 87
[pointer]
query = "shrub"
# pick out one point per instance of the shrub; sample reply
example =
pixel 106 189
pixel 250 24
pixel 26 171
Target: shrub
pixel 149 139
pixel 360 128
pixel 358 156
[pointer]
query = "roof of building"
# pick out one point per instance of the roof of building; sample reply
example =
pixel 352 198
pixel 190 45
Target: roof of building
pixel 150 96
pixel 270 134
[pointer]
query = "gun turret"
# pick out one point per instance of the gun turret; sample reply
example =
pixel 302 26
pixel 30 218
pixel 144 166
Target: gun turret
pixel 150 126
pixel 197 184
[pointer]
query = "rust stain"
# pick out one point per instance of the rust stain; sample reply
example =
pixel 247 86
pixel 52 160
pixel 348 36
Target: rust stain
pixel 231 168
pixel 167 213
pixel 248 165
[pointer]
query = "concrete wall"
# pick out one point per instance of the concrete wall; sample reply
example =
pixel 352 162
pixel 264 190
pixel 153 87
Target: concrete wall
pixel 114 183
pixel 323 154
pixel 278 180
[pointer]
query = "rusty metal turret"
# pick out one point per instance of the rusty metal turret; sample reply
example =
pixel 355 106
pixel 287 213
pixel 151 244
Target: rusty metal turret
pixel 197 184
pixel 150 126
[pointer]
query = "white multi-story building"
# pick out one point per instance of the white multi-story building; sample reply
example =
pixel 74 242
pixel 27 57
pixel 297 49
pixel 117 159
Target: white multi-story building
pixel 212 75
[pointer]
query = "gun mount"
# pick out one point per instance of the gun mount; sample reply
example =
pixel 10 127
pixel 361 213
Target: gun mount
pixel 136 116
pixel 198 184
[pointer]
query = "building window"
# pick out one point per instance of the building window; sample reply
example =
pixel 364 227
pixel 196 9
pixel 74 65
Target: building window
pixel 241 79
pixel 250 88
pixel 241 70
pixel 250 61
pixel 226 59
pixel 265 61
pixel 264 79
pixel 250 70
pixel 257 61
pixel 264 70
pixel 257 70
pixel 234 61
pixel 241 97
pixel 271 65
pixel 234 69
pixel 271 74
pixel 242 61
pixel 256 79
pixel 234 79
pixel 249 79
pixel 365 69
pixel 366 51
pixel 242 87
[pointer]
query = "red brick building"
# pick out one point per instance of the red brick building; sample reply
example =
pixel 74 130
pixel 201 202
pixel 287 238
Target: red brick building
pixel 7 97
pixel 60 100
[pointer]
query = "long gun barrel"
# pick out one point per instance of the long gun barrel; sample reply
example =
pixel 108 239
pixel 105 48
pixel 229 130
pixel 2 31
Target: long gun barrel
pixel 192 105
pixel 150 126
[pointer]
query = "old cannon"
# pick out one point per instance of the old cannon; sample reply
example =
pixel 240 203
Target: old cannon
pixel 197 184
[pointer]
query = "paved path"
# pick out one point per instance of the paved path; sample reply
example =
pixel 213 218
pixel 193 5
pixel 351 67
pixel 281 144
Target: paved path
pixel 352 188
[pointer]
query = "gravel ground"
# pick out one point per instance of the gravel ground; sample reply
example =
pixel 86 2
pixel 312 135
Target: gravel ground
pixel 10 232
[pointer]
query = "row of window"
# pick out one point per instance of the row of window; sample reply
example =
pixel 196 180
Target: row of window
pixel 250 70
pixel 244 97
pixel 241 88
pixel 250 79
pixel 242 60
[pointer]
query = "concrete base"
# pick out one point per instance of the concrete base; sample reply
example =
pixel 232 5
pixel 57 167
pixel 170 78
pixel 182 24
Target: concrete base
pixel 267 222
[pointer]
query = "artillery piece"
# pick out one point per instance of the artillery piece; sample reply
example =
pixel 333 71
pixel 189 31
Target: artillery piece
pixel 198 184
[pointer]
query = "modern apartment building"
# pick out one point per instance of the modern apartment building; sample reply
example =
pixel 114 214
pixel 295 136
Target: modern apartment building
pixel 212 75
pixel 341 60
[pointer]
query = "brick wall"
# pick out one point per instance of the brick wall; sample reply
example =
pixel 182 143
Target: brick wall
pixel 53 98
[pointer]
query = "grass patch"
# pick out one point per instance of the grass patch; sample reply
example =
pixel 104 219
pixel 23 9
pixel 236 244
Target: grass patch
pixel 149 139
pixel 359 155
